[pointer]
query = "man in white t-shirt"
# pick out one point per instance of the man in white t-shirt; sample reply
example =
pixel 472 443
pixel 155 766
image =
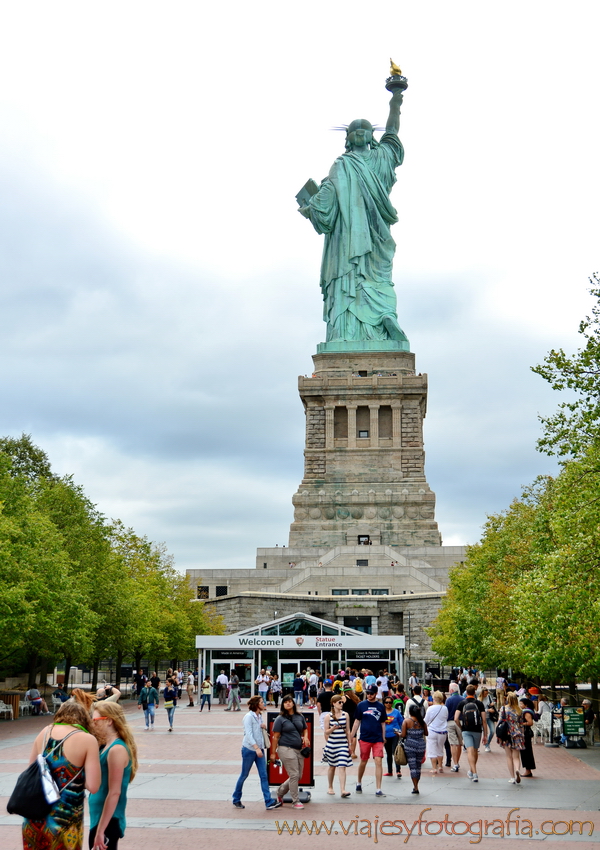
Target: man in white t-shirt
pixel 190 689
pixel 418 700
pixel 222 682
pixel 385 684
pixel 262 680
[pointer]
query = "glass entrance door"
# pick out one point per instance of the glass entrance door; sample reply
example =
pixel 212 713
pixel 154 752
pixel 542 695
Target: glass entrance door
pixel 288 670
pixel 242 669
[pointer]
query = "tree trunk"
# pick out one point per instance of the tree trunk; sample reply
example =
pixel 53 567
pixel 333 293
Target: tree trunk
pixel 573 692
pixel 118 670
pixel 95 667
pixel 138 661
pixel 67 671
pixel 31 669
pixel 43 673
pixel 594 693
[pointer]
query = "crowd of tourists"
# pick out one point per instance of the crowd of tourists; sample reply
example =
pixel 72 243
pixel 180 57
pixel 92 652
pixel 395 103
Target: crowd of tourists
pixel 364 717
pixel 404 728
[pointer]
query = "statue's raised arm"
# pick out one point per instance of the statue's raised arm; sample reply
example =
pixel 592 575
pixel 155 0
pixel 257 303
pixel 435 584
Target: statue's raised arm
pixel 353 210
pixel 393 122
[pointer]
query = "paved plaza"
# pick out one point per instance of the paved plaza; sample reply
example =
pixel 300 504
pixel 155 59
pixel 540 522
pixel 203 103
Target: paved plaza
pixel 181 797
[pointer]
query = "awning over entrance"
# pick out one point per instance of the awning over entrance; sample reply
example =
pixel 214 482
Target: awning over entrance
pixel 300 630
pixel 293 643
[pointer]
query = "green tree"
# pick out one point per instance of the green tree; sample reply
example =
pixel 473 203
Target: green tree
pixel 74 586
pixel 560 601
pixel 40 599
pixel 478 621
pixel 26 460
pixel 576 424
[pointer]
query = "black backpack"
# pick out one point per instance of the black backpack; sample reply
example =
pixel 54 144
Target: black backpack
pixel 422 706
pixel 471 717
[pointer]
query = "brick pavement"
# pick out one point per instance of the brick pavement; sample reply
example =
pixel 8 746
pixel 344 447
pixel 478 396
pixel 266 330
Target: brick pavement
pixel 182 794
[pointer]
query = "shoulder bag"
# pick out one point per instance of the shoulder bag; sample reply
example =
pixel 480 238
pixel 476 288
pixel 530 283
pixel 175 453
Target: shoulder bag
pixel 36 792
pixel 400 754
pixel 503 729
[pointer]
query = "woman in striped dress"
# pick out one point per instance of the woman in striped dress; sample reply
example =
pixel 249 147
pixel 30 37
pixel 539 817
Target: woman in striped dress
pixel 337 748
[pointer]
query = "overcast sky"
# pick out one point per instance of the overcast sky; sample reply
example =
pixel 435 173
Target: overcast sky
pixel 159 290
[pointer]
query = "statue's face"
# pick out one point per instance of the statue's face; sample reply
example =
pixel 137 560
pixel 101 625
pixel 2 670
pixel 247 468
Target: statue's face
pixel 360 133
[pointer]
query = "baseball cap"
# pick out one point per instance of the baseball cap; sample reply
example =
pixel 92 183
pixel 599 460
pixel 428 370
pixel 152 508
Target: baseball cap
pixel 372 689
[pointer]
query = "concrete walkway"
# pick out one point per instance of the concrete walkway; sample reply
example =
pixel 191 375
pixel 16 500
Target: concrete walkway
pixel 186 779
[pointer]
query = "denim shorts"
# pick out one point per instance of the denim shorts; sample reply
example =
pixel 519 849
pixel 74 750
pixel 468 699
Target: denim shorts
pixel 471 739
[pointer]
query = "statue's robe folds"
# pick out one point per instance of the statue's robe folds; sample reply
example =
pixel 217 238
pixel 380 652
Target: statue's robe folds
pixel 352 208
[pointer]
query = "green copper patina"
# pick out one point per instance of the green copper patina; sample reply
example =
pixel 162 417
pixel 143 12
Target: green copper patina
pixel 352 208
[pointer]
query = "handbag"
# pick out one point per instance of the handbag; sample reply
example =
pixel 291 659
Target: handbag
pixel 266 739
pixel 305 752
pixel 503 729
pixel 400 754
pixel 493 713
pixel 36 792
pixel 169 704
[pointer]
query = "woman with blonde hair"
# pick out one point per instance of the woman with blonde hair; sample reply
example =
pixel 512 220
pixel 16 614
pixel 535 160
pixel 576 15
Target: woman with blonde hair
pixel 511 713
pixel 118 762
pixel 73 761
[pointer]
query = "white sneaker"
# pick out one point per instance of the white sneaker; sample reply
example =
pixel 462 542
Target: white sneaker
pixel 487 749
pixel 470 775
pixel 474 778
pixel 454 768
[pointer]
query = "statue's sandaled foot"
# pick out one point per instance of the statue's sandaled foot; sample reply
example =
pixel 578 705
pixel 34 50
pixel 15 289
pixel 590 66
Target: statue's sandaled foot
pixel 394 330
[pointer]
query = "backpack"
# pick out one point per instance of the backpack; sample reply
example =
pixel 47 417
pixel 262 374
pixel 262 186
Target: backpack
pixel 471 717
pixel 358 688
pixel 422 705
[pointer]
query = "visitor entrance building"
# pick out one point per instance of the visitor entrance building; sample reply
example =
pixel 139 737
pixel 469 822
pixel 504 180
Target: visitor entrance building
pixel 291 644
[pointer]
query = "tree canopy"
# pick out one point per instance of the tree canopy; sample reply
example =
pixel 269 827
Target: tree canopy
pixel 528 595
pixel 576 424
pixel 75 586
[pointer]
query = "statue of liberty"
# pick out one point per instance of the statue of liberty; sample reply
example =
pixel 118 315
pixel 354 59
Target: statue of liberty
pixel 352 208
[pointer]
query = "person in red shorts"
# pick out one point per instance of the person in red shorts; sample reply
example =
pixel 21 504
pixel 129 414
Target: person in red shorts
pixel 370 717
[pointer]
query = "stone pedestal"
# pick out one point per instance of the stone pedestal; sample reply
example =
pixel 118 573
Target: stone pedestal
pixel 364 474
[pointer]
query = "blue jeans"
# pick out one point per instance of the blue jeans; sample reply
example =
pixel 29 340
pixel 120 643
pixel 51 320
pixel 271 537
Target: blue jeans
pixel 250 757
pixel 149 714
pixel 205 698
pixel 170 715
pixel 298 697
